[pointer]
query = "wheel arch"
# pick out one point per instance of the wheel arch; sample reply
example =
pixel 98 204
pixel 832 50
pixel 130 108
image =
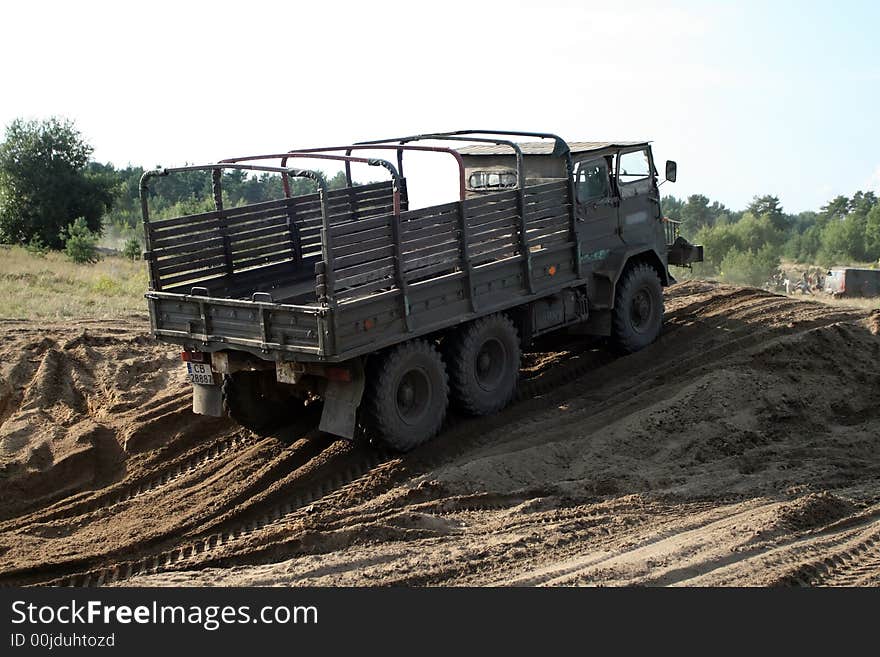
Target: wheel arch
pixel 648 257
pixel 604 288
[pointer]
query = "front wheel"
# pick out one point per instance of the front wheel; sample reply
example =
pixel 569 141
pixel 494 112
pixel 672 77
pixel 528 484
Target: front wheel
pixel 407 395
pixel 638 309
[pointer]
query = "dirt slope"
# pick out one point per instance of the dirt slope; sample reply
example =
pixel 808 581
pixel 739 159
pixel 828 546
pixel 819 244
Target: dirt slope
pixel 740 449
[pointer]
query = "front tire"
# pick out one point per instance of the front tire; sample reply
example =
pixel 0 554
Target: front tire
pixel 483 359
pixel 407 395
pixel 638 309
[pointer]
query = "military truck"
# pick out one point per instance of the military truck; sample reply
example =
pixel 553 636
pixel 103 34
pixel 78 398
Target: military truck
pixel 385 314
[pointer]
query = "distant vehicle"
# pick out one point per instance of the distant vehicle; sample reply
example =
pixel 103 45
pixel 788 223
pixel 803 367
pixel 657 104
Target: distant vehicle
pixel 853 282
pixel 386 314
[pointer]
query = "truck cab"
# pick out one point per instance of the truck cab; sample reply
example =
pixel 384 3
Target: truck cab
pixel 616 201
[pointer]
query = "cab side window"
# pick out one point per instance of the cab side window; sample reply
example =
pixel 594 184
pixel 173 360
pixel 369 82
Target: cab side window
pixel 592 181
pixel 634 166
pixel 635 175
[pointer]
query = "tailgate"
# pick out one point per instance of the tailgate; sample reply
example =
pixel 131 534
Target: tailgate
pixel 231 322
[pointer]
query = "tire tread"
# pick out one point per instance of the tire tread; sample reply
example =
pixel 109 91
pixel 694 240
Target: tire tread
pixel 462 344
pixel 624 338
pixel 375 408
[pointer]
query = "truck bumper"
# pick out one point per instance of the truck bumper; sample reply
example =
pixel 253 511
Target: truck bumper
pixel 683 253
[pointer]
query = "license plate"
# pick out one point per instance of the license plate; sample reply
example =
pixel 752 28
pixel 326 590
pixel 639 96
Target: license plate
pixel 200 373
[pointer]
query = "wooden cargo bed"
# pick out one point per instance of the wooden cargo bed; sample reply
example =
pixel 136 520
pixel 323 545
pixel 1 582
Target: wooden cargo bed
pixel 386 277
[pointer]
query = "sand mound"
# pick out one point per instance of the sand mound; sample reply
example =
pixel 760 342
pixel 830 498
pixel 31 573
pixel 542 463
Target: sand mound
pixel 755 421
pixel 814 510
pixel 70 400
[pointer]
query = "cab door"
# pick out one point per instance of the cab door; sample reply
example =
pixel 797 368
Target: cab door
pixel 639 212
pixel 596 208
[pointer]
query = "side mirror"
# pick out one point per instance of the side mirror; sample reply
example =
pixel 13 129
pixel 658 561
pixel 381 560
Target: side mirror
pixel 671 170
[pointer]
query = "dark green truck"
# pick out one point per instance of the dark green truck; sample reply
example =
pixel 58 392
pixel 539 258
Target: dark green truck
pixel 386 314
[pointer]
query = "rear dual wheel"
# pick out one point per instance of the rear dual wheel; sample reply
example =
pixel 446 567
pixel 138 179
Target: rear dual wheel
pixel 408 392
pixel 483 358
pixel 409 389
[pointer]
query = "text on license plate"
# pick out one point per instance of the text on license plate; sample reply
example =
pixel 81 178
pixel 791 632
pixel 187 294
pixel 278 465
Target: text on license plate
pixel 200 373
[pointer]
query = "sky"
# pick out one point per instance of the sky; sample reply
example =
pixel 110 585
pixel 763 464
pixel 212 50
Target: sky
pixel 748 97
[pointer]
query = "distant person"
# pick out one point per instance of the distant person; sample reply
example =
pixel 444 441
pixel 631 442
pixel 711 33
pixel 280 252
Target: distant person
pixel 805 284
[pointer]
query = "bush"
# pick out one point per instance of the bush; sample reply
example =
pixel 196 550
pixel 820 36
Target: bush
pixel 132 249
pixel 750 267
pixel 36 247
pixel 80 243
pixel 106 285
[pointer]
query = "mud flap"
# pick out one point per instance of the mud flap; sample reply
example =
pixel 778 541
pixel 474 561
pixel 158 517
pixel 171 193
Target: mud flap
pixel 341 401
pixel 207 400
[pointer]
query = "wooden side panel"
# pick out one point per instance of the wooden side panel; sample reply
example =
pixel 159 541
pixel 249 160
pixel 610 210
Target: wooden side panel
pixel 221 246
pixel 493 228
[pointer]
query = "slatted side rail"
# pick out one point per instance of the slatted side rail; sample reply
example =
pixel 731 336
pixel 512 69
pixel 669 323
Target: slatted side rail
pixel 493 225
pixel 430 241
pixel 548 215
pixel 363 251
pixel 431 238
pixel 207 247
pixel 363 254
pixel 344 205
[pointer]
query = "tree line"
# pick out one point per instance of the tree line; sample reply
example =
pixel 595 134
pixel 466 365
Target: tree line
pixel 54 196
pixel 747 246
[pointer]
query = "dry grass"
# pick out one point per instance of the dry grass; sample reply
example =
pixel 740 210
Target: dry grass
pixel 52 287
pixel 842 302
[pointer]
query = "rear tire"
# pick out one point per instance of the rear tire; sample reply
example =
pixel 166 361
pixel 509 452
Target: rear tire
pixel 638 309
pixel 483 358
pixel 245 401
pixel 407 395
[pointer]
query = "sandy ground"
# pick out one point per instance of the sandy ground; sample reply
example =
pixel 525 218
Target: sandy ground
pixel 741 449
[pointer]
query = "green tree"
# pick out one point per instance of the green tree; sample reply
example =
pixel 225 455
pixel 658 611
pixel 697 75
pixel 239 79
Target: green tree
pixel 872 233
pixel 45 182
pixel 672 207
pixel 716 241
pixel 843 241
pixel 338 181
pixel 837 208
pixel 695 214
pixel 80 243
pixel 863 202
pixel 754 232
pixel 770 207
pixel 811 242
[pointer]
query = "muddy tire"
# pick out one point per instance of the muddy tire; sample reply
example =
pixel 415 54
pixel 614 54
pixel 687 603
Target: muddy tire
pixel 483 360
pixel 407 395
pixel 245 401
pixel 638 309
